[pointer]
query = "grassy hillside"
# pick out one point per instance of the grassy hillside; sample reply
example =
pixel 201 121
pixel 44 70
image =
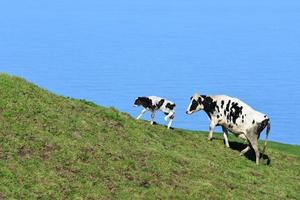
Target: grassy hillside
pixel 52 147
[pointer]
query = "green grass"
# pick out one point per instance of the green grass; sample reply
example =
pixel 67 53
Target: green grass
pixel 53 147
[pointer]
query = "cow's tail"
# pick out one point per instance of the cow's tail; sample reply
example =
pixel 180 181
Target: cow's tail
pixel 267 135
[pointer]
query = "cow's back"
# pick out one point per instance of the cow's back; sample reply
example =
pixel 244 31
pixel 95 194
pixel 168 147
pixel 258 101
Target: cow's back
pixel 236 114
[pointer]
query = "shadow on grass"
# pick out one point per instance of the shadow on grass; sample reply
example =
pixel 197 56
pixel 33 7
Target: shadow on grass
pixel 237 146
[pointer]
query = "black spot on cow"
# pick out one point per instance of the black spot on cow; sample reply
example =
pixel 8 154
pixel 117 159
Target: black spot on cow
pixel 145 102
pixel 194 105
pixel 171 117
pixel 170 106
pixel 227 106
pixel 243 117
pixel 222 104
pixel 243 121
pixel 218 109
pixel 209 105
pixel 218 116
pixel 253 121
pixel 235 112
pixel 160 103
pixel 228 118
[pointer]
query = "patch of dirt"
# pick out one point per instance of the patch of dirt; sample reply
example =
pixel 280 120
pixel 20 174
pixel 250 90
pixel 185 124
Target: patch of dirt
pixel 23 151
pixel 182 161
pixel 77 135
pixel 129 176
pixel 114 156
pixel 67 172
pixel 2 197
pixel 179 173
pixel 256 174
pixel 145 184
pixel 114 124
pixel 48 148
pixel 87 153
pixel 109 184
pixel 3 156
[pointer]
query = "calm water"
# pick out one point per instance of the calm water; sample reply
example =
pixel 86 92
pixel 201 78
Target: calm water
pixel 110 52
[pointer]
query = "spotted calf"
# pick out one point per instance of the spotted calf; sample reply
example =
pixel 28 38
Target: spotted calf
pixel 234 116
pixel 153 104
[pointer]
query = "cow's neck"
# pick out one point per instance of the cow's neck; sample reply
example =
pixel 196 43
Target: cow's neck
pixel 209 105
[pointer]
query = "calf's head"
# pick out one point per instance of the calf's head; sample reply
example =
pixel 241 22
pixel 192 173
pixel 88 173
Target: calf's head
pixel 138 101
pixel 195 104
pixel 143 101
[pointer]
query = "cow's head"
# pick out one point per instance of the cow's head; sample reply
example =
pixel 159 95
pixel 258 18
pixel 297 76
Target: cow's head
pixel 195 104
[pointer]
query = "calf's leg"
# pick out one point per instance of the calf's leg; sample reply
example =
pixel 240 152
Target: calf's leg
pixel 170 118
pixel 143 112
pixel 152 117
pixel 170 123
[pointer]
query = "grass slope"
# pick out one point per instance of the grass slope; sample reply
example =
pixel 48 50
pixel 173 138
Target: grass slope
pixel 53 147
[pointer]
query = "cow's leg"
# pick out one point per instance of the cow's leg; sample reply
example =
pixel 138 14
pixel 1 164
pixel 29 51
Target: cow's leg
pixel 143 112
pixel 152 117
pixel 245 150
pixel 212 125
pixel 242 136
pixel 225 135
pixel 170 118
pixel 252 138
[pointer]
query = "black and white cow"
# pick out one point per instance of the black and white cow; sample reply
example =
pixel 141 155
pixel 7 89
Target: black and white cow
pixel 234 116
pixel 153 104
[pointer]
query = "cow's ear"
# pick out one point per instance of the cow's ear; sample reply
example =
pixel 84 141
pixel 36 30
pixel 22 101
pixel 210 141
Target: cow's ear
pixel 191 97
pixel 200 99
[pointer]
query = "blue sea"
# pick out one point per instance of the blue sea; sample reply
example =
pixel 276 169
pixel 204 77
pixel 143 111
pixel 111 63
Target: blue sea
pixel 111 51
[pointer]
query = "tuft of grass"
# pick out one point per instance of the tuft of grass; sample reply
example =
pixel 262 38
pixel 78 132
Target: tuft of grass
pixel 53 147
